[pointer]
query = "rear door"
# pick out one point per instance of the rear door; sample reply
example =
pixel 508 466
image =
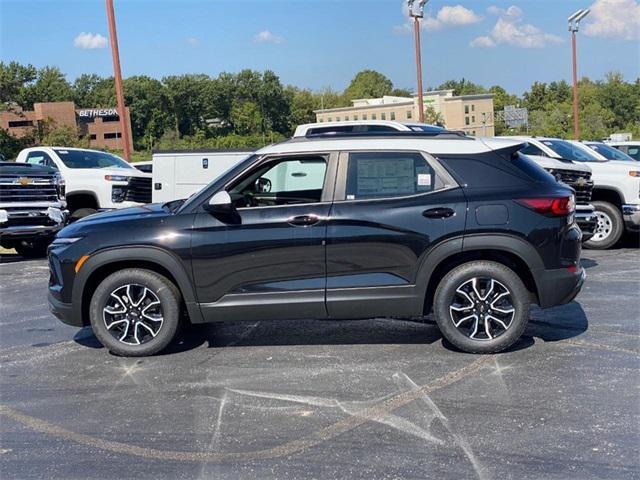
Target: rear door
pixel 391 208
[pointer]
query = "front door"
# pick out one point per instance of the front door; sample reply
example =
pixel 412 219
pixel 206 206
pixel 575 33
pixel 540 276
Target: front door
pixel 267 260
pixel 391 209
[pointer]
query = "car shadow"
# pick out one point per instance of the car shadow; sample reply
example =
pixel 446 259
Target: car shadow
pixel 588 263
pixel 549 325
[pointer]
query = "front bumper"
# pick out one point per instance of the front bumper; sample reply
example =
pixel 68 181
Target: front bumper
pixel 631 215
pixel 64 311
pixel 586 220
pixel 558 286
pixel 31 224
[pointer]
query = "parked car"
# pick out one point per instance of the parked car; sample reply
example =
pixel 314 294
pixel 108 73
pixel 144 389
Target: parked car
pixel 95 180
pixel 607 152
pixel 616 194
pixel 631 148
pixel 178 174
pixel 340 226
pixel 32 207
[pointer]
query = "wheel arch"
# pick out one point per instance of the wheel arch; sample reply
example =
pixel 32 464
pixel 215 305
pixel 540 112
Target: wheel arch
pixel 608 194
pixel 104 263
pixel 507 250
pixel 76 199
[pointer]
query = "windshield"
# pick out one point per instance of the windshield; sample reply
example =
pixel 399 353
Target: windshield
pixel 610 153
pixel 569 151
pixel 90 159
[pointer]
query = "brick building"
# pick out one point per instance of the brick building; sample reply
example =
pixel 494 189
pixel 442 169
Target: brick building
pixel 100 125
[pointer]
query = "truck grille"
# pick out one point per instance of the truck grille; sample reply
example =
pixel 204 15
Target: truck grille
pixel 138 190
pixel 580 181
pixel 40 189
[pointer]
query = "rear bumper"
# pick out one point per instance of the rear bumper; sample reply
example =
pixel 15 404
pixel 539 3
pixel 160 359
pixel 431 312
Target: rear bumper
pixel 631 215
pixel 559 286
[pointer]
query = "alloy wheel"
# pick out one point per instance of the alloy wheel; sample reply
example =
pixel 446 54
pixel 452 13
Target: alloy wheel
pixel 604 226
pixel 133 314
pixel 482 308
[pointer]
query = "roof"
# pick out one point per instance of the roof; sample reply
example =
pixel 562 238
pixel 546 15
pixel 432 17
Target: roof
pixel 430 144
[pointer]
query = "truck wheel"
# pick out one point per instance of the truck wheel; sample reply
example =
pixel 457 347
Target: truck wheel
pixel 80 213
pixel 609 228
pixel 135 312
pixel 481 307
pixel 36 249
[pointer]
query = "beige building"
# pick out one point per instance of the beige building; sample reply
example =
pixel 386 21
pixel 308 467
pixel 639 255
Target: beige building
pixel 472 114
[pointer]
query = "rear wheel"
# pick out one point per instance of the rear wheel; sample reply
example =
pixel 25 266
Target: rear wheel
pixel 482 307
pixel 609 228
pixel 135 312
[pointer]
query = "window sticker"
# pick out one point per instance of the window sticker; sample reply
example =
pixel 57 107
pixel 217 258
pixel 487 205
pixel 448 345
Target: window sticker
pixel 424 179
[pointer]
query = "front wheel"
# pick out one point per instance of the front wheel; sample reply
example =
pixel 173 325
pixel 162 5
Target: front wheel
pixel 609 228
pixel 135 312
pixel 481 307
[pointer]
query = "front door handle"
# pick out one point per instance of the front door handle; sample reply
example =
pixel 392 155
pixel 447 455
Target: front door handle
pixel 304 220
pixel 439 212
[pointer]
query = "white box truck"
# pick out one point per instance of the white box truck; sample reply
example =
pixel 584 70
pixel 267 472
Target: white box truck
pixel 179 174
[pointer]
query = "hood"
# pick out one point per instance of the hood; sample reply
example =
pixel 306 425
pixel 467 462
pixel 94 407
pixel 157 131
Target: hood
pixel 101 172
pixel 550 162
pixel 142 212
pixel 615 166
pixel 26 169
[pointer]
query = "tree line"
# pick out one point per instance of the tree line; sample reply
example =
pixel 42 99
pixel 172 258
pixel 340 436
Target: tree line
pixel 252 108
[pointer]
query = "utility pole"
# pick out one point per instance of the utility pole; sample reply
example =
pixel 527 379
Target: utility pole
pixel 574 25
pixel 416 33
pixel 122 112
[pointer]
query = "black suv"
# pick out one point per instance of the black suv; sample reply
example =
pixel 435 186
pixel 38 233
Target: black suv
pixel 341 226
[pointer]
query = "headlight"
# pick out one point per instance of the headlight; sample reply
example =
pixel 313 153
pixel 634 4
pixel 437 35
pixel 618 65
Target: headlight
pixel 65 240
pixel 61 186
pixel 116 178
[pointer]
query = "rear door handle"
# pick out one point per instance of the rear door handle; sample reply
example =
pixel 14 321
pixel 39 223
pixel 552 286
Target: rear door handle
pixel 304 220
pixel 439 212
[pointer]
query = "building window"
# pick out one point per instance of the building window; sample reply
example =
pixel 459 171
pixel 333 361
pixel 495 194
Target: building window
pixel 373 116
pixel 473 119
pixel 337 119
pixel 355 117
pixel 321 120
pixel 409 114
pixel 330 119
pixel 108 136
pixel 111 118
pixel 92 136
pixel 466 120
pixel 364 116
pixel 21 123
pixel 466 109
pixel 473 108
pixel 383 116
pixel 346 118
pixel 392 115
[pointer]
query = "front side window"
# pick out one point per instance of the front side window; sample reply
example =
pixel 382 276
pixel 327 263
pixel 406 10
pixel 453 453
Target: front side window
pixel 373 175
pixel 289 181
pixel 39 158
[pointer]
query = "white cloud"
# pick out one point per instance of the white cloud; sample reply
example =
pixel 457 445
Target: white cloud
pixel 193 41
pixel 89 41
pixel 510 30
pixel 266 36
pixel 447 17
pixel 617 19
pixel 483 42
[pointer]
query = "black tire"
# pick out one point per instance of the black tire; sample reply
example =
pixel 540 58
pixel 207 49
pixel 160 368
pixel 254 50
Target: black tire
pixel 162 289
pixel 81 213
pixel 609 229
pixel 497 338
pixel 36 249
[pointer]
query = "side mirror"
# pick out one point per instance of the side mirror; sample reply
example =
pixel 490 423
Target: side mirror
pixel 220 203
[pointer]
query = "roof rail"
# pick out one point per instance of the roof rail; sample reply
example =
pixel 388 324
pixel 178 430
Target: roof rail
pixel 440 134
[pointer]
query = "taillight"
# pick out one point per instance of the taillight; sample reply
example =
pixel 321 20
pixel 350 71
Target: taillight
pixel 552 206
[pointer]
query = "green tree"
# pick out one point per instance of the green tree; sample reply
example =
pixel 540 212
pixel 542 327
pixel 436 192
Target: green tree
pixel 462 87
pixel 14 78
pixel 50 86
pixel 368 84
pixel 246 117
pixel 149 108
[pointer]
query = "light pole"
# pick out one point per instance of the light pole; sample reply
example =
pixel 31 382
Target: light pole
pixel 416 29
pixel 574 25
pixel 122 112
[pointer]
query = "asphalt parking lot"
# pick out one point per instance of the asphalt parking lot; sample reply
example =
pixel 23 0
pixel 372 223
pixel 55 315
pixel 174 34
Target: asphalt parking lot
pixel 375 399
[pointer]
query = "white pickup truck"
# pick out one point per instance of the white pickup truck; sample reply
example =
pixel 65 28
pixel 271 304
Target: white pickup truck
pixel 95 180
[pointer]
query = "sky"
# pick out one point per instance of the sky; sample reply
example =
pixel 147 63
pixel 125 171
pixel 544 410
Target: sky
pixel 316 44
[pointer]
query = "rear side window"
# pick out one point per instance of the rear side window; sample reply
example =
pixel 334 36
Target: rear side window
pixel 388 174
